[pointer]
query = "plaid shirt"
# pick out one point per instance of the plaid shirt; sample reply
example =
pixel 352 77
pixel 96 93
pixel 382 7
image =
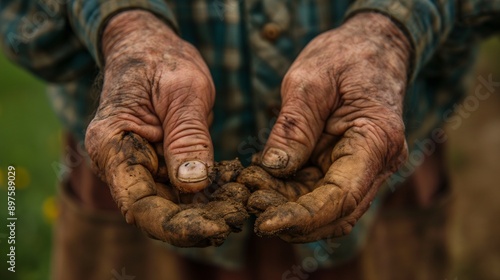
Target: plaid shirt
pixel 248 46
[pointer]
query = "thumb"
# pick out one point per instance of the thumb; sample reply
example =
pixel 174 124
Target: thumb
pixel 296 131
pixel 187 144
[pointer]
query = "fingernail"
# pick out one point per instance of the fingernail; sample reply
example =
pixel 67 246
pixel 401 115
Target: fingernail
pixel 192 171
pixel 275 158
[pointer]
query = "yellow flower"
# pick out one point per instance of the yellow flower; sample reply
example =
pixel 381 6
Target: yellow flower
pixel 23 177
pixel 3 184
pixel 50 209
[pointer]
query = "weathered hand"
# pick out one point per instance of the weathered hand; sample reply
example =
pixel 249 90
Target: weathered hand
pixel 157 89
pixel 140 184
pixel 342 103
pixel 157 86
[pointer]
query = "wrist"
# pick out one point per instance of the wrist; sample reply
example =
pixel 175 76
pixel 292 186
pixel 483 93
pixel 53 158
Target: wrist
pixel 385 33
pixel 133 31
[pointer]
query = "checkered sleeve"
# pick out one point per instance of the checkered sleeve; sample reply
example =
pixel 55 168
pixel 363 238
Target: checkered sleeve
pixel 481 15
pixel 425 22
pixel 37 36
pixel 89 17
pixel 477 12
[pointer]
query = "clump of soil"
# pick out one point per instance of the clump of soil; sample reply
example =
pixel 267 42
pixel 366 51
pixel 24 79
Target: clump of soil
pixel 222 206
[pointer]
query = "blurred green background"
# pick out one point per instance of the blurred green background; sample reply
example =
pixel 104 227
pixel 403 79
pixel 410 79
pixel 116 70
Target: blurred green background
pixel 30 139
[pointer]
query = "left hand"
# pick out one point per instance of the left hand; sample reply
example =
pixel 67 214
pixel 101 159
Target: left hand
pixel 342 103
pixel 158 89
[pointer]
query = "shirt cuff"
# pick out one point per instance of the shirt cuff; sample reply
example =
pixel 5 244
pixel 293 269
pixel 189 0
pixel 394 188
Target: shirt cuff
pixel 424 22
pixel 474 12
pixel 89 17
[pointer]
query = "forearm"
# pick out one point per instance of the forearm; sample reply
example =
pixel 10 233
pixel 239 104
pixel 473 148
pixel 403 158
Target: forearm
pixel 426 23
pixel 386 35
pixel 38 37
pixel 125 30
pixel 90 17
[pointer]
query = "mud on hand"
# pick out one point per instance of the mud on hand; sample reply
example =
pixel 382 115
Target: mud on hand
pixel 138 179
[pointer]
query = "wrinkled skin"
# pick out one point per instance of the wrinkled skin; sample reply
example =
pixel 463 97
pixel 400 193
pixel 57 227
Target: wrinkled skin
pixel 159 90
pixel 341 113
pixel 269 191
pixel 149 201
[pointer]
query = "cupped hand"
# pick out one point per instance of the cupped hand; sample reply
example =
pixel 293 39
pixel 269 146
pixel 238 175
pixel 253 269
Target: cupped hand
pixel 157 89
pixel 342 103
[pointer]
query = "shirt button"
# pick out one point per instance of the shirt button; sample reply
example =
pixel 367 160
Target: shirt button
pixel 271 31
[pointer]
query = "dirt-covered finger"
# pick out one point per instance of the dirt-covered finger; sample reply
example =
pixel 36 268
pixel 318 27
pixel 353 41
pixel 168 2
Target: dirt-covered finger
pixel 151 213
pixel 310 211
pixel 308 176
pixel 129 170
pixel 233 213
pixel 193 228
pixel 168 192
pixel 336 229
pixel 256 178
pixel 231 192
pixel 261 200
pixel 226 171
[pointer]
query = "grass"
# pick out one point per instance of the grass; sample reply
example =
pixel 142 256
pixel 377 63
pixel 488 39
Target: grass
pixel 30 140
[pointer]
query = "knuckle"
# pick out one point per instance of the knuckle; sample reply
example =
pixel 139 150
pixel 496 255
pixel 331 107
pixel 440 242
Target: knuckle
pixel 191 87
pixel 192 72
pixel 194 78
pixel 295 76
pixel 301 82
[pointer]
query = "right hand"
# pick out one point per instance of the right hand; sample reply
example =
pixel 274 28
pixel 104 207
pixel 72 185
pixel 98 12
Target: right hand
pixel 342 112
pixel 157 89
